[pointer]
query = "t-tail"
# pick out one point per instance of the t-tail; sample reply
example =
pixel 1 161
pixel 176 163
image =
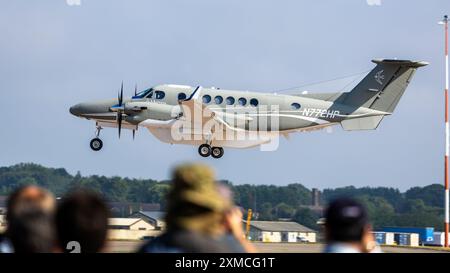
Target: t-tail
pixel 380 90
pixel 383 87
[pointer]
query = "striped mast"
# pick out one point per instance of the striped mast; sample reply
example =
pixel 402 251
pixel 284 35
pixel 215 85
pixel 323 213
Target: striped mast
pixel 446 223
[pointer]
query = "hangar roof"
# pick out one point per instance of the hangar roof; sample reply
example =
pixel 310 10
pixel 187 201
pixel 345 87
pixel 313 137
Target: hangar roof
pixel 279 226
pixel 156 215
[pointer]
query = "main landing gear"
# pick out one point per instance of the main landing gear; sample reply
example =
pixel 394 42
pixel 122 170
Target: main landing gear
pixel 206 150
pixel 96 143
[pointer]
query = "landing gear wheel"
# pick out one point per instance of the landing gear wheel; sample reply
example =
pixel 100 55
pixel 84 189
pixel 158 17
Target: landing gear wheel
pixel 217 152
pixel 204 150
pixel 96 144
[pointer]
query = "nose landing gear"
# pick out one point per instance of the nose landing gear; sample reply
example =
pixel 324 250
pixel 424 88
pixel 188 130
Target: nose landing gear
pixel 206 150
pixel 96 143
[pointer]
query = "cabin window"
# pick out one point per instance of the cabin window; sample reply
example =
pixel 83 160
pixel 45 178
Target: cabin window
pixel 242 101
pixel 254 102
pixel 295 106
pixel 218 99
pixel 230 100
pixel 181 96
pixel 206 99
pixel 159 95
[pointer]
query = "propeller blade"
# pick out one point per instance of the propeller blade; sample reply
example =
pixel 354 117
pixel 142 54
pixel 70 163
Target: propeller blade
pixel 134 134
pixel 119 122
pixel 135 90
pixel 121 95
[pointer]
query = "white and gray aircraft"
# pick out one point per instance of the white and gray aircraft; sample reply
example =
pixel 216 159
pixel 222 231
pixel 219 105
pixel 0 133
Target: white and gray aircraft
pixel 213 118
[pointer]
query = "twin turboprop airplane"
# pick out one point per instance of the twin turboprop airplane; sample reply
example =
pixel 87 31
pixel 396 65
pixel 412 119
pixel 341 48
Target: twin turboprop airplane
pixel 213 118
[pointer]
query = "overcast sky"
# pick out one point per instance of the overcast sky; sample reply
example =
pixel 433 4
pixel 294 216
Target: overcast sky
pixel 54 55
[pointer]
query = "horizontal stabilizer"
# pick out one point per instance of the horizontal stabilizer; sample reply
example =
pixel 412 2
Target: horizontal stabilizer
pixel 407 63
pixel 366 123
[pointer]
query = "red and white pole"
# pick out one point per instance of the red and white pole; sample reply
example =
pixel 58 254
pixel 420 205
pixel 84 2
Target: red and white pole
pixel 445 23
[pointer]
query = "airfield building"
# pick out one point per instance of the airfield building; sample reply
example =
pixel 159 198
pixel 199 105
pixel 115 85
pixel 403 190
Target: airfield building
pixel 281 231
pixel 130 229
pixel 129 224
pixel 155 218
pixel 2 223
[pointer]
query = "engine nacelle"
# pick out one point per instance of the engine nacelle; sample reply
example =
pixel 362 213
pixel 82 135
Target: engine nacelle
pixel 136 106
pixel 152 110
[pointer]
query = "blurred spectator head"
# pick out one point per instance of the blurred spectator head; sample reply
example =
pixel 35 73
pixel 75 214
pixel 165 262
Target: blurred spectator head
pixel 30 220
pixel 345 221
pixel 233 214
pixel 27 197
pixel 194 202
pixel 82 216
pixel 232 222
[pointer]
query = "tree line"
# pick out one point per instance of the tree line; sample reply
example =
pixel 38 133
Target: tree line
pixel 418 206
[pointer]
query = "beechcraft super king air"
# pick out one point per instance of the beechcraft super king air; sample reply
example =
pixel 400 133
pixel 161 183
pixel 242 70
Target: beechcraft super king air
pixel 213 118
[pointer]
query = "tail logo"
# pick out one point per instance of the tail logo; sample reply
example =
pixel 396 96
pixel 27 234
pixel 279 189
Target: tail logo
pixel 379 77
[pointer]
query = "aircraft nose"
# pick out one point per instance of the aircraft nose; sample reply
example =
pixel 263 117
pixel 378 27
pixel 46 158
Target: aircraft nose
pixel 76 109
pixel 92 108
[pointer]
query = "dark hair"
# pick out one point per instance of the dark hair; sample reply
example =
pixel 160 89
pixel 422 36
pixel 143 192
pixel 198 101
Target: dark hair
pixel 82 216
pixel 11 204
pixel 30 220
pixel 31 231
pixel 345 220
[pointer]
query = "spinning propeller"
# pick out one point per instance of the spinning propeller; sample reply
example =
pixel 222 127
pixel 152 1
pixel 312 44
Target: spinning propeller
pixel 120 109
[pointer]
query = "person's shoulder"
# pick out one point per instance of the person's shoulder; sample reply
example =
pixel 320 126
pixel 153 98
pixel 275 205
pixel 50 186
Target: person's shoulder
pixel 194 242
pixel 5 244
pixel 160 244
pixel 186 242
pixel 232 243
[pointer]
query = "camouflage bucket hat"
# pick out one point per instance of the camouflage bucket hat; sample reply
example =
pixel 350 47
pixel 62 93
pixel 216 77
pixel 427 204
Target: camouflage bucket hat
pixel 195 184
